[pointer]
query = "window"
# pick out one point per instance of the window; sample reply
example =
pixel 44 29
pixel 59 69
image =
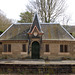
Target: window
pixel 63 48
pixel 7 48
pixel 24 47
pixel 66 48
pixel 47 48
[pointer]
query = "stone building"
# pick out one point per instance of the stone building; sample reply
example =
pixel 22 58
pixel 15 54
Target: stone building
pixel 37 40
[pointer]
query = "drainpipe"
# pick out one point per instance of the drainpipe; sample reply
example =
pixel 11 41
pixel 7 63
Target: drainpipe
pixel 28 47
pixel 28 44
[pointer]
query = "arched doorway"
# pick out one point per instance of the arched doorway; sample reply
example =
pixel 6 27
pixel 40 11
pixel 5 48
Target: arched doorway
pixel 35 50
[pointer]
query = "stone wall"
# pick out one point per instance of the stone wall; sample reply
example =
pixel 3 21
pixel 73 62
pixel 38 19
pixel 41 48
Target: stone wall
pixel 53 54
pixel 37 69
pixel 16 50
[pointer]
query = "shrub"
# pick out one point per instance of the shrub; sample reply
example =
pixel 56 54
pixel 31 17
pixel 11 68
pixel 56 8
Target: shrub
pixel 1 32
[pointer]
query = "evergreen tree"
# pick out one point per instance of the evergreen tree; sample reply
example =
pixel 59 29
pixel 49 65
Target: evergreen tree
pixel 26 17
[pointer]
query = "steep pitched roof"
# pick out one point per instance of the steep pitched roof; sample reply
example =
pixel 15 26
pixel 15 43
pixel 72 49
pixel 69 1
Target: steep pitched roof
pixel 70 28
pixel 51 31
pixel 16 32
pixel 36 25
pixel 55 31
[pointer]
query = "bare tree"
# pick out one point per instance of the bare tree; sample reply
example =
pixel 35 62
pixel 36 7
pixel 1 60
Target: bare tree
pixel 48 10
pixel 4 21
pixel 64 19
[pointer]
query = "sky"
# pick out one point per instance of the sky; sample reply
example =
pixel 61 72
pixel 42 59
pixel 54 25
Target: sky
pixel 13 8
pixel 71 10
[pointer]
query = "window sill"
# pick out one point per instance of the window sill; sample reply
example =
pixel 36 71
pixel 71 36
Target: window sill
pixel 6 52
pixel 46 53
pixel 64 53
pixel 23 52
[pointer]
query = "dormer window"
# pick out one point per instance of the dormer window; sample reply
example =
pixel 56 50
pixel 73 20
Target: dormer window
pixel 35 29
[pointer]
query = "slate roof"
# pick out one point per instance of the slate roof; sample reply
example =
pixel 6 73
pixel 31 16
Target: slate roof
pixel 19 31
pixel 70 28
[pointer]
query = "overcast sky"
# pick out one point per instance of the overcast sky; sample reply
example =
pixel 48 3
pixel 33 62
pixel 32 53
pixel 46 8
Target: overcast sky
pixel 13 8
